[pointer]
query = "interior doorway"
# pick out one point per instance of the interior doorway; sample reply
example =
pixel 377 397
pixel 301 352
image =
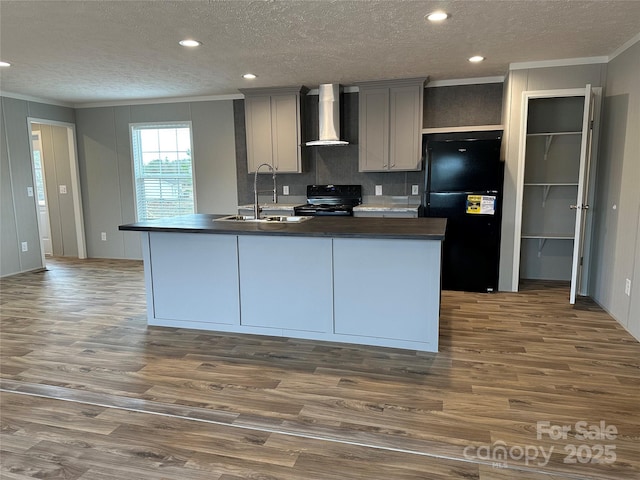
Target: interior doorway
pixel 57 189
pixel 41 194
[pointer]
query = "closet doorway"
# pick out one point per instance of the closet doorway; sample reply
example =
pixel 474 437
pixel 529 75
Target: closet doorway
pixel 559 131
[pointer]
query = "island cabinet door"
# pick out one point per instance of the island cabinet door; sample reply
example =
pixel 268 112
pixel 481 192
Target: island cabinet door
pixel 285 283
pixel 194 278
pixel 387 289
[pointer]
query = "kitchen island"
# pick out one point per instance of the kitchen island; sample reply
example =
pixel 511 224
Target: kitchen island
pixel 371 281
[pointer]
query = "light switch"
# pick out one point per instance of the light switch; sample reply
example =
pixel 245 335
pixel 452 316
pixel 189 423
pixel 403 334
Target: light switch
pixel 63 189
pixel 285 190
pixel 378 189
pixel 29 191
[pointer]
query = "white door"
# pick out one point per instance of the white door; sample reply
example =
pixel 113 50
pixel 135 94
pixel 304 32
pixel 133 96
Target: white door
pixel 41 195
pixel 581 205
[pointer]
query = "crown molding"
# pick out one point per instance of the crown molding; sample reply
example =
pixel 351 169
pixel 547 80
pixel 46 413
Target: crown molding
pixel 30 98
pixel 465 81
pixel 121 103
pixel 563 62
pixel 153 101
pixel 630 43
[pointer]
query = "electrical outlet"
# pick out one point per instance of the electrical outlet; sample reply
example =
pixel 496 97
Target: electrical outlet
pixel 378 189
pixel 285 189
pixel 627 287
pixel 414 190
pixel 29 191
pixel 63 189
pixel 25 247
pixel 103 236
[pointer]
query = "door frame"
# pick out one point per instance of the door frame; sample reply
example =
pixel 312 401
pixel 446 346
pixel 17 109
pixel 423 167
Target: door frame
pixel 76 194
pixel 589 186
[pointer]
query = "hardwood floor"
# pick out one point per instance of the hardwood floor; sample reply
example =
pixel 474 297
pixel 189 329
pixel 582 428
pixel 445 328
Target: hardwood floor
pixel 90 392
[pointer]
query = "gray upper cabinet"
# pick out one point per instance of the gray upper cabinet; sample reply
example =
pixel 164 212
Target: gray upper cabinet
pixel 273 124
pixel 390 127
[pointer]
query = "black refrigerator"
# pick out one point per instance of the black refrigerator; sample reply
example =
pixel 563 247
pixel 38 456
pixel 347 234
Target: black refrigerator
pixel 463 183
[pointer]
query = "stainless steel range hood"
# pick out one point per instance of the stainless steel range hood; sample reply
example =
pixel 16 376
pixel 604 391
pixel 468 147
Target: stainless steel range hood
pixel 329 110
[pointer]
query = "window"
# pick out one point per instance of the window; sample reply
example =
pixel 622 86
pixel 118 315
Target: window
pixel 163 169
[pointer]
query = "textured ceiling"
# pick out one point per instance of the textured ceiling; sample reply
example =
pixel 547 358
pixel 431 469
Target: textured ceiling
pixel 82 52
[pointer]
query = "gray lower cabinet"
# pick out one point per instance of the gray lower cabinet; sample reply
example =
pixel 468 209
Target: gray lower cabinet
pixel 387 289
pixel 390 128
pixel 194 278
pixel 286 283
pixel 273 128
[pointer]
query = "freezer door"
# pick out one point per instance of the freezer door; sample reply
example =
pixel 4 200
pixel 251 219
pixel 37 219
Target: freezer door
pixel 464 165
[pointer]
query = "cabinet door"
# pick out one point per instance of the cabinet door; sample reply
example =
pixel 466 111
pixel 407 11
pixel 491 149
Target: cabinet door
pixel 286 283
pixel 387 288
pixel 405 138
pixel 285 126
pixel 374 129
pixel 195 277
pixel 258 126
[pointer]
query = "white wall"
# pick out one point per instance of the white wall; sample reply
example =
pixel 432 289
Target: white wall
pixel 106 171
pixel 617 238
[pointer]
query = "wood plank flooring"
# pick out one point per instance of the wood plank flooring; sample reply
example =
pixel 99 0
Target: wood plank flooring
pixel 89 392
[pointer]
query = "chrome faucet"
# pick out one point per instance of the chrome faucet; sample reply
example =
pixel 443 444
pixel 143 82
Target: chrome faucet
pixel 256 207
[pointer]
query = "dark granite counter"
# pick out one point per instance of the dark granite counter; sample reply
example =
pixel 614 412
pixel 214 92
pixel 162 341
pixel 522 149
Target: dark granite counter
pixel 337 227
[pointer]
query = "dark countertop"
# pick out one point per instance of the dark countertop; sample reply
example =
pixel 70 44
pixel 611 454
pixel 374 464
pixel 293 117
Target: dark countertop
pixel 338 227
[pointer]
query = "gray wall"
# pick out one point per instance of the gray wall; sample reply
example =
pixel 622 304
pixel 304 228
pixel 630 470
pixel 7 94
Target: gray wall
pixel 443 107
pixel 18 213
pixel 56 164
pixel 462 105
pixel 518 81
pixel 617 239
pixel 106 171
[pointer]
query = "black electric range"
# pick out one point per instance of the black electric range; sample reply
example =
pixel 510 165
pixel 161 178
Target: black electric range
pixel 336 200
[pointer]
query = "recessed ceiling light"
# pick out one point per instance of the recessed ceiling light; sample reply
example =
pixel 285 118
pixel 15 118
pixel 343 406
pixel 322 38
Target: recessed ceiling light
pixel 5 64
pixel 249 76
pixel 476 59
pixel 190 43
pixel 437 16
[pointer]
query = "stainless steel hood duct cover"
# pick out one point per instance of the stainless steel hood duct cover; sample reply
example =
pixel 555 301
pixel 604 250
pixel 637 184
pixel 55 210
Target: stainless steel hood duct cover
pixel 329 109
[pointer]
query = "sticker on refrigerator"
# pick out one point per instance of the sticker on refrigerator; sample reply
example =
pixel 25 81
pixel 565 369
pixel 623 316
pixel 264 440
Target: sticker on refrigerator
pixel 481 204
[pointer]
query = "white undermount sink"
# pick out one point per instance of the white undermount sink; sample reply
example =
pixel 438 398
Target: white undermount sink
pixel 265 219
